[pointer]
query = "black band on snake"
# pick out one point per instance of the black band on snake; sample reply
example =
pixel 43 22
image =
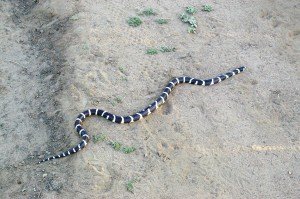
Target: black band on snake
pixel 143 113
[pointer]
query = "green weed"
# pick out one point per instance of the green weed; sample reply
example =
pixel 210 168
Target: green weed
pixel 161 21
pixel 134 21
pixel 116 145
pixel 148 12
pixel 207 8
pixel 152 51
pixel 191 10
pixel 74 17
pixel 118 100
pixel 167 49
pixel 124 79
pixel 128 149
pixel 191 30
pixel 191 21
pixel 129 186
pixel 99 137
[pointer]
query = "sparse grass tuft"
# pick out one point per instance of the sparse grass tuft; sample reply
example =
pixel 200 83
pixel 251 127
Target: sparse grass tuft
pixel 134 21
pixel 161 21
pixel 207 8
pixel 152 51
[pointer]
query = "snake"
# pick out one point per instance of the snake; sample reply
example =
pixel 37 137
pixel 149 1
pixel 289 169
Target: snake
pixel 139 115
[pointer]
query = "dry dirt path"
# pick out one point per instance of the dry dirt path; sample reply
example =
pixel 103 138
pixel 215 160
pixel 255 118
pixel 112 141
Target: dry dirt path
pixel 238 139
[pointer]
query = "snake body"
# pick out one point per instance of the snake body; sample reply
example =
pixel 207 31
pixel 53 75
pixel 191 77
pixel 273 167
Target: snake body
pixel 139 115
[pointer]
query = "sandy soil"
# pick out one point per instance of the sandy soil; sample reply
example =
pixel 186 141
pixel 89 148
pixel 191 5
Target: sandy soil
pixel 237 139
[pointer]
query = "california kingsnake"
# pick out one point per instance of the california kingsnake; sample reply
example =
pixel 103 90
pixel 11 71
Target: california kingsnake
pixel 143 113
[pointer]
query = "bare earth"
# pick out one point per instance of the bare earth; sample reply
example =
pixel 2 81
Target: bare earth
pixel 237 139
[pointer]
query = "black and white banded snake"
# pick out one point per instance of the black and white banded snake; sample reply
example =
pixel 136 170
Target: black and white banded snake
pixel 143 113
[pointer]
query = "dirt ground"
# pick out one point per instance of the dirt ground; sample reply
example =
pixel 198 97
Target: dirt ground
pixel 237 139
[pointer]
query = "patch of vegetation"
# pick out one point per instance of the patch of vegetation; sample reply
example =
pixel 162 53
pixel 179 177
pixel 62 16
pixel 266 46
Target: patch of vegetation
pixel 207 8
pixel 191 30
pixel 74 17
pixel 189 19
pixel 128 149
pixel 148 12
pixel 112 102
pixel 161 21
pixel 152 51
pixel 121 69
pixel 134 21
pixel 129 186
pixel 86 46
pixel 124 79
pixel 118 99
pixel 116 145
pixel 191 10
pixel 167 49
pixel 99 137
pixel 186 18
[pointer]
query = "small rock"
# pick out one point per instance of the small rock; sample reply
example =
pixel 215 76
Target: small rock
pixel 45 175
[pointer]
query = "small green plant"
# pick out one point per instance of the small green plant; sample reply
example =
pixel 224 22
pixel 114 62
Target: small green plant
pixel 167 49
pixel 121 69
pixel 191 21
pixel 161 21
pixel 129 186
pixel 116 145
pixel 124 79
pixel 148 12
pixel 99 137
pixel 191 10
pixel 118 100
pixel 74 17
pixel 85 46
pixel 152 51
pixel 184 18
pixel 128 149
pixel 207 8
pixel 191 29
pixel 134 21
